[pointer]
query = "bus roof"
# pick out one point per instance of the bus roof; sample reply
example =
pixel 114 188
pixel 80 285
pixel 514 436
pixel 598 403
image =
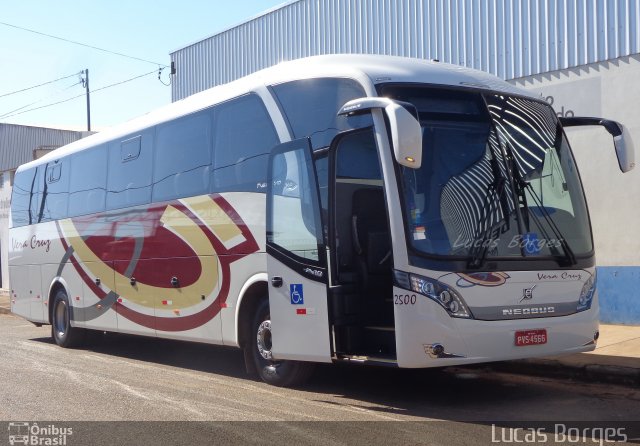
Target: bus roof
pixel 368 69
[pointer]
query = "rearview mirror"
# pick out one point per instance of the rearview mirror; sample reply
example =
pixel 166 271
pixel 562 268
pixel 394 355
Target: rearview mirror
pixel 625 150
pixel 406 133
pixel 621 138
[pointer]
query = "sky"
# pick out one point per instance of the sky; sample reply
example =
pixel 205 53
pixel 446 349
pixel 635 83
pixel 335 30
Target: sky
pixel 145 29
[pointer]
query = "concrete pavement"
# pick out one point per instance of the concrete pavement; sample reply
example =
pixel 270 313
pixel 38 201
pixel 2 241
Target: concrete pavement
pixel 615 360
pixel 129 378
pixel 5 306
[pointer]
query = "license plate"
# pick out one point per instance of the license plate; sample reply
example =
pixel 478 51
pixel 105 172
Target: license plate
pixel 531 337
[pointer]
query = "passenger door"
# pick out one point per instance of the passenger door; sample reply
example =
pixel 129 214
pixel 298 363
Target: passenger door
pixel 296 257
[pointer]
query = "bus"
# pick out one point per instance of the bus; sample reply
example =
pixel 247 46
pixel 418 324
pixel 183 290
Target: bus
pixel 19 433
pixel 365 209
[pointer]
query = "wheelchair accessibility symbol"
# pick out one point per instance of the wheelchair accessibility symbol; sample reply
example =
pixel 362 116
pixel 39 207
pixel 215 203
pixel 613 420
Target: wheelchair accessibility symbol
pixel 296 293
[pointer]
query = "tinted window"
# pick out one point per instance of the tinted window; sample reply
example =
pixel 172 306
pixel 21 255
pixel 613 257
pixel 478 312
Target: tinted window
pixel 54 191
pixel 130 149
pixel 311 107
pixel 88 182
pixel 322 172
pixel 24 198
pixel 243 137
pixel 183 157
pixel 358 157
pixel 129 179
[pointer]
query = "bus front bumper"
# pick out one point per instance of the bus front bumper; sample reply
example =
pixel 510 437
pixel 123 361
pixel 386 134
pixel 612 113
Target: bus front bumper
pixel 429 337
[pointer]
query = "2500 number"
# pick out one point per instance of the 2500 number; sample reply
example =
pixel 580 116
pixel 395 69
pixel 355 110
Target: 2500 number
pixel 404 299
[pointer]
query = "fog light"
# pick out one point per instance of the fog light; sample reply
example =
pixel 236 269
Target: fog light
pixel 436 350
pixel 596 335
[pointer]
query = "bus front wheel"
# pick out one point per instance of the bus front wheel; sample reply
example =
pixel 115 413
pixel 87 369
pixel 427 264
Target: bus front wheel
pixel 61 330
pixel 278 373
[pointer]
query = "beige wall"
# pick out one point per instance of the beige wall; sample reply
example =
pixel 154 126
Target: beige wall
pixel 609 90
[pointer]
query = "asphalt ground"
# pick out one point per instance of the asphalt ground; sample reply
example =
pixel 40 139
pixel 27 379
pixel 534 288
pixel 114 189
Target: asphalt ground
pixel 134 379
pixel 4 302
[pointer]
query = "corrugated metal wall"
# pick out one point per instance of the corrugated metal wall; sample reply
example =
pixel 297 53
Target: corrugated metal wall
pixel 510 38
pixel 17 142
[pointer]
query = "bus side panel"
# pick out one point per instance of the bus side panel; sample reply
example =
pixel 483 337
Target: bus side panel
pixel 97 306
pixel 29 247
pixel 188 311
pixel 36 295
pixel 251 260
pixel 20 290
pixel 245 272
pixel 134 293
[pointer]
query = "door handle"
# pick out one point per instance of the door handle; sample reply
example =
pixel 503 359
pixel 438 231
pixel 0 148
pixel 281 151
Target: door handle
pixel 276 281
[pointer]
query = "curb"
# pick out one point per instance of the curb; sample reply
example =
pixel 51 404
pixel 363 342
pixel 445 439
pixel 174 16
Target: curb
pixel 602 373
pixel 5 310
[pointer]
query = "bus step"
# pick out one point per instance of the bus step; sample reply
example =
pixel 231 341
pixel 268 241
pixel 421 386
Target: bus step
pixel 368 360
pixel 381 328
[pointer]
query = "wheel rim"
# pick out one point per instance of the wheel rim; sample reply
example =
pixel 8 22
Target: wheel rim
pixel 60 319
pixel 264 340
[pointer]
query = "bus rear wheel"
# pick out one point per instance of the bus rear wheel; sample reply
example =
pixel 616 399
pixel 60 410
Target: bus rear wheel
pixel 61 330
pixel 278 373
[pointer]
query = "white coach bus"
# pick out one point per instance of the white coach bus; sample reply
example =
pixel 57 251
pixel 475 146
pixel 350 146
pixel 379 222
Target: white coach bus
pixel 363 209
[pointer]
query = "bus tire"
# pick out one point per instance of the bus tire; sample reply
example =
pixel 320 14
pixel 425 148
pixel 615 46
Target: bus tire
pixel 61 330
pixel 277 373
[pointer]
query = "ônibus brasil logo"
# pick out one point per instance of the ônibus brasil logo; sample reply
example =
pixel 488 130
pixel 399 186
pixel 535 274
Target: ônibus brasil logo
pixel 35 434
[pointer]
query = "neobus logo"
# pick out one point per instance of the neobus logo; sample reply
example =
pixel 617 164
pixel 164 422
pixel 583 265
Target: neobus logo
pixel 528 311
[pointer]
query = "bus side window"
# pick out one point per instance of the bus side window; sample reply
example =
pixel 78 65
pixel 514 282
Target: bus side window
pixel 183 157
pixel 311 107
pixel 54 191
pixel 129 176
pixel 24 199
pixel 243 138
pixel 88 184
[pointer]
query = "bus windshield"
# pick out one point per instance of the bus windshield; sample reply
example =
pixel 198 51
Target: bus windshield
pixel 497 179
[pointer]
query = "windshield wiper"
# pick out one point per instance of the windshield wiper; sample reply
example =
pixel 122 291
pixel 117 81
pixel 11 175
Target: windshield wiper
pixel 484 239
pixel 519 188
pixel 569 256
pixel 519 185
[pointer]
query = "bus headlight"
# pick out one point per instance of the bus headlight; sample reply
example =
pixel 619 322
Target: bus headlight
pixel 586 295
pixel 447 297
